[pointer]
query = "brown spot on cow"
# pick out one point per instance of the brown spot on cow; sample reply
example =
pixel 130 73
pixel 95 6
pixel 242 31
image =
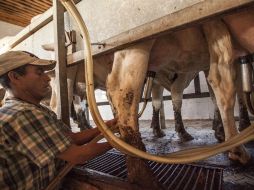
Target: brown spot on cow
pixel 129 98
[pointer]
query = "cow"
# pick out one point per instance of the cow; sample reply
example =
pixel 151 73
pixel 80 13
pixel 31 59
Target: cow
pixel 207 46
pixel 102 67
pixel 176 83
pixel 172 80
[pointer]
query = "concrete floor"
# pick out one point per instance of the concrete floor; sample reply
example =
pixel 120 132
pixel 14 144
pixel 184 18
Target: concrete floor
pixel 235 176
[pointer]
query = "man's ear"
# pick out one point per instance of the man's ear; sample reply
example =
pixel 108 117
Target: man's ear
pixel 13 76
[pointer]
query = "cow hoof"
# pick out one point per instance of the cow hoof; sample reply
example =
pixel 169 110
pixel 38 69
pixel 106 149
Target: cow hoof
pixel 184 137
pixel 240 154
pixel 219 134
pixel 158 133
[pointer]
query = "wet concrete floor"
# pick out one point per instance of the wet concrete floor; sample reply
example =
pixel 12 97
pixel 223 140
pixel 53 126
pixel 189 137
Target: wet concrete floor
pixel 235 177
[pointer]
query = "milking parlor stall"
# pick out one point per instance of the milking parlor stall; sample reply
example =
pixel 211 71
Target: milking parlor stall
pixel 185 137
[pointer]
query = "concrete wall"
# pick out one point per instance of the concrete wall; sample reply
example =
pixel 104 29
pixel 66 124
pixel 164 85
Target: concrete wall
pixel 108 18
pixel 7 30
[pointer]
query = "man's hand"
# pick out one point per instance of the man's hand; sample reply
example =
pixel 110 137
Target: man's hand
pixel 111 123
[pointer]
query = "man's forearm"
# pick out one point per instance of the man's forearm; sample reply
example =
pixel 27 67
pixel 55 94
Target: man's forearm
pixel 84 137
pixel 96 149
pixel 87 135
pixel 80 154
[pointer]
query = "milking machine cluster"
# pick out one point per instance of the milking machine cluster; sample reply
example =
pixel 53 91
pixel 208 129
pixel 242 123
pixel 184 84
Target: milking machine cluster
pixel 148 84
pixel 147 90
pixel 247 74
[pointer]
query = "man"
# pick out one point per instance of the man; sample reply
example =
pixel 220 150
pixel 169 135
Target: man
pixel 34 145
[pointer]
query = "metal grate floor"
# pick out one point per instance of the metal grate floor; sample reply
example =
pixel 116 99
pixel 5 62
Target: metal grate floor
pixel 172 176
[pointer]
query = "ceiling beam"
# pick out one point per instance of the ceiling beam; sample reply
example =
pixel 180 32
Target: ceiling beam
pixel 13 20
pixel 24 5
pixel 45 2
pixel 18 13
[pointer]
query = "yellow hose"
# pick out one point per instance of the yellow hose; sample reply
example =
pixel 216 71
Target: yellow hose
pixel 185 156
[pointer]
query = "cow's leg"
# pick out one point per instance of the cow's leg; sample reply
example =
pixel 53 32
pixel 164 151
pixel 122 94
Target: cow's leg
pixel 176 83
pixel 124 86
pixel 53 99
pixel 71 76
pixel 179 127
pixel 244 120
pixel 157 94
pixel 80 100
pixel 217 121
pixel 177 88
pixel 55 104
pixel 83 124
pixel 221 78
pixel 162 115
pixel 242 28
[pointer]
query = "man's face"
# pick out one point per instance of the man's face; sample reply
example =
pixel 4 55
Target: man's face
pixel 35 83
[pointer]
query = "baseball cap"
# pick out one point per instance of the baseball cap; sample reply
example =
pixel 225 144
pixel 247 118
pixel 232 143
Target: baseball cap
pixel 14 59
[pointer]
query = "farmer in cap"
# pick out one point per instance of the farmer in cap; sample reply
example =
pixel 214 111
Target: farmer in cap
pixel 34 145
